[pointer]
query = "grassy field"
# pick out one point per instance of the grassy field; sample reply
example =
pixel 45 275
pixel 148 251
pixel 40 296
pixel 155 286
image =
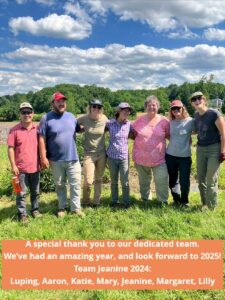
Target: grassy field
pixel 138 222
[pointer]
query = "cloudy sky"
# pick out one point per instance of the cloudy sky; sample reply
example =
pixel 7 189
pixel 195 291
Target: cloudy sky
pixel 119 44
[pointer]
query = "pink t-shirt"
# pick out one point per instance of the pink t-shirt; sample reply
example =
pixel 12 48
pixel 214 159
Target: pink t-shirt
pixel 150 143
pixel 25 143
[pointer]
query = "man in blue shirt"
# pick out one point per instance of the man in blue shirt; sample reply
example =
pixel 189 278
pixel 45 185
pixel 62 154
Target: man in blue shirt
pixel 57 145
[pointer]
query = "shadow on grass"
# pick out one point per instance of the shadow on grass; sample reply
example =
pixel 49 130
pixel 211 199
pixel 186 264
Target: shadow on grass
pixel 51 207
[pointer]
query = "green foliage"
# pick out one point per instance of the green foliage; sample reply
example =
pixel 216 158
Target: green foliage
pixel 37 117
pixel 46 181
pixel 79 97
pixel 6 183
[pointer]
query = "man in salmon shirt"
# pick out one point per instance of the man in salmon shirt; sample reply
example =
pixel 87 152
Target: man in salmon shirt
pixel 24 159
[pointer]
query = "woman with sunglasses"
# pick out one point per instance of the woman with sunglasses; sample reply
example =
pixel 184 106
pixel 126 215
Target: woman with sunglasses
pixel 93 125
pixel 118 157
pixel 210 127
pixel 178 153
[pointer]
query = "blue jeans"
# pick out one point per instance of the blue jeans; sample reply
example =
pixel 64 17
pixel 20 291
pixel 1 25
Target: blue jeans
pixel 207 173
pixel 71 171
pixel 179 169
pixel 116 167
pixel 160 175
pixel 31 181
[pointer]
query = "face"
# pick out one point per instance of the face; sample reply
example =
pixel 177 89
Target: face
pixel 152 107
pixel 26 115
pixel 59 106
pixel 95 109
pixel 177 112
pixel 198 102
pixel 124 114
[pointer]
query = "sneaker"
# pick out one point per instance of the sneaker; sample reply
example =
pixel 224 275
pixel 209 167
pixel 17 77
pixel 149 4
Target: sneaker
pixel 61 213
pixel 23 219
pixel 79 213
pixel 36 214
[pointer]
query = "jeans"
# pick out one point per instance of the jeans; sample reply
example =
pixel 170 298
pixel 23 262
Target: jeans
pixel 207 173
pixel 93 170
pixel 31 181
pixel 160 175
pixel 116 167
pixel 179 167
pixel 63 171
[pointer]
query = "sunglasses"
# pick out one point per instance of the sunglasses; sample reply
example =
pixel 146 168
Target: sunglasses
pixel 26 112
pixel 96 106
pixel 175 108
pixel 196 98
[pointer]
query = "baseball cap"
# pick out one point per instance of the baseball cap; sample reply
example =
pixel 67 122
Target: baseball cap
pixel 58 96
pixel 176 103
pixel 26 105
pixel 124 105
pixel 96 102
pixel 196 94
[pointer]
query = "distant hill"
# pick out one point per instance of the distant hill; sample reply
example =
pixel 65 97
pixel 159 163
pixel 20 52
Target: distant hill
pixel 79 97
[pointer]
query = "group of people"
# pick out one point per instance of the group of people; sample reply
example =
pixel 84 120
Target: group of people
pixel 53 144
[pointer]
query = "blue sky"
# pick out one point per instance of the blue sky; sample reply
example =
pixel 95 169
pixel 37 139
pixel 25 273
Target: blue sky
pixel 129 44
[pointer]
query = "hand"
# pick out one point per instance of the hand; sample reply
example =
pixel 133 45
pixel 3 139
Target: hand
pixel 44 163
pixel 222 157
pixel 15 170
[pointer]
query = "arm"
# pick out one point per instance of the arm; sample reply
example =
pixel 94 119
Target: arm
pixel 42 151
pixel 220 124
pixel 11 156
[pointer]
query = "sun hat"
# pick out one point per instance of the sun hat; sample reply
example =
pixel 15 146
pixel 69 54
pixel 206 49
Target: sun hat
pixel 96 102
pixel 26 105
pixel 196 94
pixel 176 103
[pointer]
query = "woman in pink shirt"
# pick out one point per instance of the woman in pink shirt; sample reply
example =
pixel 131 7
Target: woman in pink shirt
pixel 149 150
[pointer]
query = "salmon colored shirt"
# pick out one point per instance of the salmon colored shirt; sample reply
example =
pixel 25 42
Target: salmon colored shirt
pixel 25 144
pixel 150 143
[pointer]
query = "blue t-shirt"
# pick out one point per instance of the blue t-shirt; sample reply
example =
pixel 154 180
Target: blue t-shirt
pixel 59 131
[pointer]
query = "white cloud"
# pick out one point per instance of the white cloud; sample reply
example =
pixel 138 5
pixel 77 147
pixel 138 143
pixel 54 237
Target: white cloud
pixel 214 34
pixel 115 66
pixel 56 26
pixel 45 2
pixel 163 15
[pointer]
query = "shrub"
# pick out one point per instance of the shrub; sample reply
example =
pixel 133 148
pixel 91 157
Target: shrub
pixel 6 183
pixel 46 181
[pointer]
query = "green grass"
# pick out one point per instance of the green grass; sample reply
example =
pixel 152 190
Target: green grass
pixel 107 223
pixel 138 222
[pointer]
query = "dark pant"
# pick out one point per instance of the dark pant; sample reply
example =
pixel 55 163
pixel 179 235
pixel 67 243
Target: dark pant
pixel 179 167
pixel 31 181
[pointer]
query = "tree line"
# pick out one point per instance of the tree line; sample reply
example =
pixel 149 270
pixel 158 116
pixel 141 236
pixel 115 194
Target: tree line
pixel 79 97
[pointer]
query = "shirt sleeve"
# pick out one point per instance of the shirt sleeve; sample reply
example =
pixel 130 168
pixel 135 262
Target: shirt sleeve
pixel 42 127
pixel 78 129
pixel 11 138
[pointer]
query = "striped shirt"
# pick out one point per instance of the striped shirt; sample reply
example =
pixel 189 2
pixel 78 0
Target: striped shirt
pixel 118 141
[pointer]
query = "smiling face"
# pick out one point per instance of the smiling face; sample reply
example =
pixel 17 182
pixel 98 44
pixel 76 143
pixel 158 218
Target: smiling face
pixel 198 102
pixel 26 115
pixel 152 107
pixel 177 112
pixel 59 106
pixel 95 111
pixel 124 114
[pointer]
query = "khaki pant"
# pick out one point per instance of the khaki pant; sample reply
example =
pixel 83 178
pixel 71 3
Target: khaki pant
pixel 93 170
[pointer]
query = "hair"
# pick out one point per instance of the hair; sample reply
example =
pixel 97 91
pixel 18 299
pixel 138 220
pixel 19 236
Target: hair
pixel 184 114
pixel 151 99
